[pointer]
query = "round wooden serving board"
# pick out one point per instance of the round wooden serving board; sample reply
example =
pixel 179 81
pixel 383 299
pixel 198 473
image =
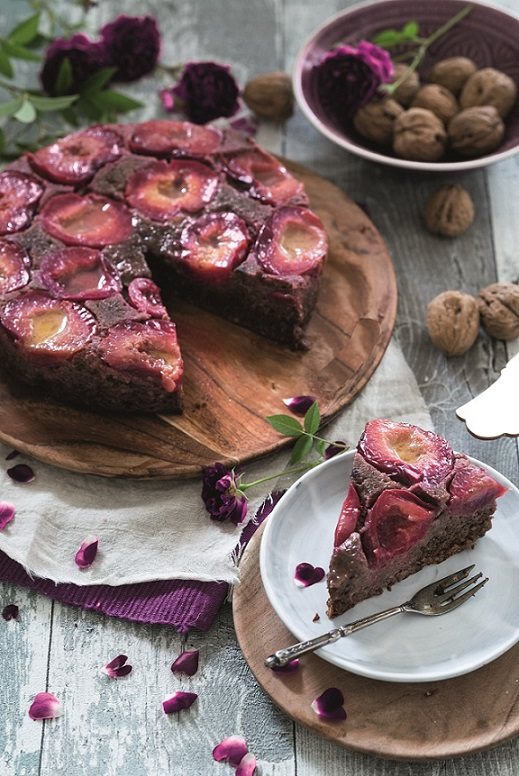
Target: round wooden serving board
pixel 233 378
pixel 416 721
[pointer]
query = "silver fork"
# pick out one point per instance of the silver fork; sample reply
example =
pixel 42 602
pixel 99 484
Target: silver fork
pixel 437 598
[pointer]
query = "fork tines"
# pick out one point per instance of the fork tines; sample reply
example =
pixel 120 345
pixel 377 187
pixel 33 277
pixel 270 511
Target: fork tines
pixel 447 595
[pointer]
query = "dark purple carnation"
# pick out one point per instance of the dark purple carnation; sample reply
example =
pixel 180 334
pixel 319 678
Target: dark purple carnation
pixel 207 91
pixel 132 45
pixel 221 494
pixel 85 57
pixel 348 77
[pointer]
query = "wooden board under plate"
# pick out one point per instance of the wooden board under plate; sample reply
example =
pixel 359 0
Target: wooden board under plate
pixel 233 378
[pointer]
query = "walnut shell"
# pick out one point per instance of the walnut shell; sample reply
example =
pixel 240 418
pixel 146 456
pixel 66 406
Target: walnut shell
pixel 489 86
pixel 476 131
pixel 375 120
pixel 270 96
pixel 449 211
pixel 437 99
pixel 452 73
pixel 453 322
pixel 499 308
pixel 406 91
pixel 419 135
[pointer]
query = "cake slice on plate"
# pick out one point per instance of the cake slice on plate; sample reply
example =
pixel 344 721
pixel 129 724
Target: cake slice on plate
pixel 411 502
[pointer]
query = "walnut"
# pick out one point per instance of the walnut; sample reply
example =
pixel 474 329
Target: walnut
pixel 406 91
pixel 419 135
pixel 376 119
pixel 452 73
pixel 476 131
pixel 453 322
pixel 449 211
pixel 499 308
pixel 270 96
pixel 437 99
pixel 490 87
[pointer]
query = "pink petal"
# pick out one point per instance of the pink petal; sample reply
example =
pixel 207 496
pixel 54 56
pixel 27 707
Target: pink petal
pixel 21 473
pixel 306 574
pixel 45 706
pixel 86 554
pixel 10 612
pixel 231 750
pixel 7 512
pixel 329 705
pixel 117 668
pixel 178 701
pixel 247 767
pixel 299 404
pixel 168 100
pixel 289 668
pixel 186 663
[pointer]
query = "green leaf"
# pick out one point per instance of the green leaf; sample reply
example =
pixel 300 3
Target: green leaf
pixel 2 141
pixel 89 108
pixel 387 38
pixel 301 449
pixel 45 104
pixel 411 30
pixel 6 67
pixel 97 80
pixel 64 78
pixel 18 51
pixel 11 107
pixel 26 31
pixel 285 424
pixel 320 447
pixel 115 101
pixel 26 113
pixel 69 114
pixel 312 418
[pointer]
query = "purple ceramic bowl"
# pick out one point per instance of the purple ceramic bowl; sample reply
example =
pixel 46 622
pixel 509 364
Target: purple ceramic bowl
pixel 487 35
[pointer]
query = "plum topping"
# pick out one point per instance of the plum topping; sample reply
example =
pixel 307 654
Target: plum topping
pixel 50 329
pixel 215 244
pixel 162 190
pixel 145 297
pixel 397 521
pixel 292 242
pixel 265 175
pixel 14 267
pixel 406 452
pixel 149 349
pixel 79 273
pixel 180 138
pixel 19 195
pixel 86 220
pixel 471 489
pixel 348 517
pixel 75 158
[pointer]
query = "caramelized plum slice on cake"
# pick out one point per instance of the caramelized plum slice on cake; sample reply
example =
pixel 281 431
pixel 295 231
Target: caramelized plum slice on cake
pixel 14 267
pixel 350 513
pixel 292 242
pixel 88 220
pixel 471 488
pixel 75 158
pixel 160 137
pixel 19 195
pixel 145 297
pixel 265 176
pixel 406 452
pixel 213 245
pixel 162 190
pixel 51 330
pixel 149 349
pixel 79 273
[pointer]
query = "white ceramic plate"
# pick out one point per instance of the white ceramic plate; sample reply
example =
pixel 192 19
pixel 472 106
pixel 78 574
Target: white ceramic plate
pixel 407 647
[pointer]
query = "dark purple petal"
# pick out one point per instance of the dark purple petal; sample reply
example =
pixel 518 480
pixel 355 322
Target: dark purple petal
pixel 247 767
pixel 289 668
pixel 178 701
pixel 117 667
pixel 306 574
pixel 132 44
pixel 231 750
pixel 21 473
pixel 167 99
pixel 10 612
pixel 186 663
pixel 86 554
pixel 7 512
pixel 245 125
pixel 299 404
pixel 85 58
pixel 334 449
pixel 207 91
pixel 329 705
pixel 12 454
pixel 221 495
pixel 45 706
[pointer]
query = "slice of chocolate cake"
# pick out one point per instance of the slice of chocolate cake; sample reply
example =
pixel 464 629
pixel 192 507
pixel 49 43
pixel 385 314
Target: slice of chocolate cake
pixel 411 502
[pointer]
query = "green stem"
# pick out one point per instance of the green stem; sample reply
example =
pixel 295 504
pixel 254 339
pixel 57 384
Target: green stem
pixel 294 470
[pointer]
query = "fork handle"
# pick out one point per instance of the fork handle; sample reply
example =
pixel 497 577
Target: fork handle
pixel 284 656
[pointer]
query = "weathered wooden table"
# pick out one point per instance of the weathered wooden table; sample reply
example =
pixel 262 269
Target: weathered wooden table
pixel 118 727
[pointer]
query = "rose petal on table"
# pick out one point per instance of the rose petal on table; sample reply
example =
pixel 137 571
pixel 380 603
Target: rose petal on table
pixel 186 663
pixel 117 667
pixel 231 750
pixel 45 705
pixel 247 767
pixel 289 668
pixel 334 449
pixel 306 574
pixel 299 404
pixel 87 552
pixel 11 455
pixel 21 472
pixel 7 512
pixel 329 705
pixel 10 612
pixel 178 701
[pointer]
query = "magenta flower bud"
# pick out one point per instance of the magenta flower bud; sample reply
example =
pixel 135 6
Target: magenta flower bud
pixel 206 91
